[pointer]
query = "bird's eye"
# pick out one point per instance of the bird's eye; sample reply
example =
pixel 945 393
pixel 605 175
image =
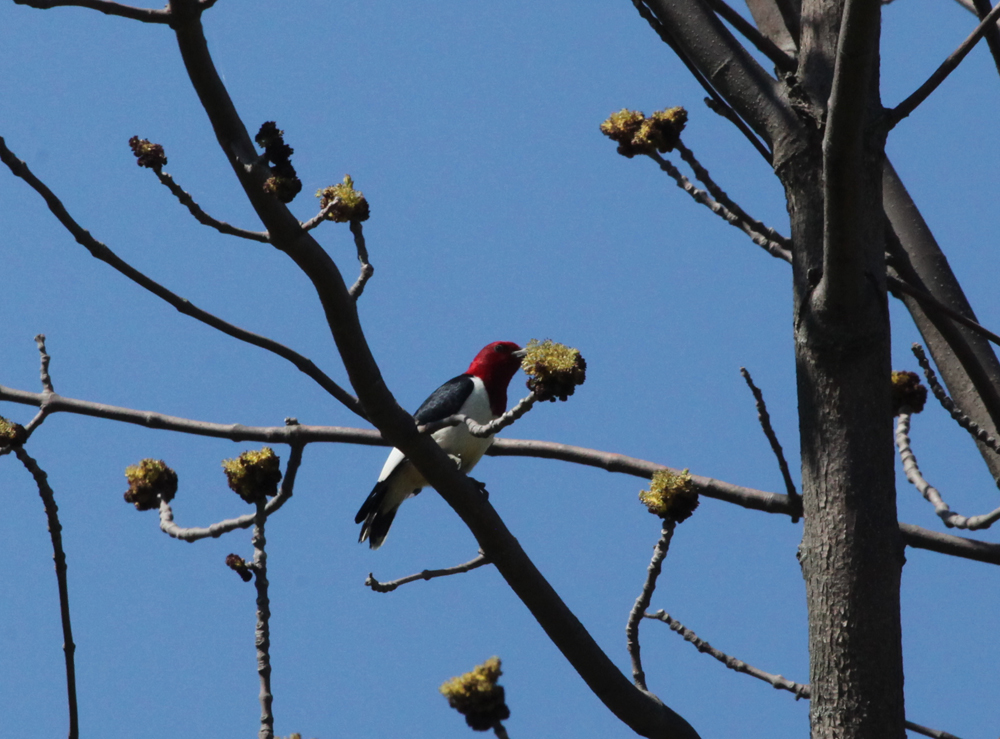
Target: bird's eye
pixel 500 348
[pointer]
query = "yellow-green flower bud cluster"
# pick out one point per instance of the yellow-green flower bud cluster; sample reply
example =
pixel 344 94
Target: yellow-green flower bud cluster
pixel 637 134
pixel 11 434
pixel 477 696
pixel 149 482
pixel 240 566
pixel 670 495
pixel 351 205
pixel 907 390
pixel 254 475
pixel 147 154
pixel 554 370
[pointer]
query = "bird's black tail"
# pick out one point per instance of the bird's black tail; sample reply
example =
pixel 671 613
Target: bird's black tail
pixel 377 520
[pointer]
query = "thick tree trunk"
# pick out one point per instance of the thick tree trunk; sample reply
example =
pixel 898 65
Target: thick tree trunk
pixel 851 552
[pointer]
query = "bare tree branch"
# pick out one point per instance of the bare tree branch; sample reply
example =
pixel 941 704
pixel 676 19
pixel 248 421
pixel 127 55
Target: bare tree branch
pixel 949 65
pixel 105 254
pixel 202 217
pixel 781 683
pixel 992 35
pixel 766 47
pixel 145 15
pixel 773 248
pixel 642 602
pixel 59 556
pixel 799 690
pixel 930 493
pixel 730 71
pixel 388 587
pixel 765 422
pixel 45 359
pixel 926 299
pixel 262 637
pixel 961 418
pixel 321 216
pixel 719 194
pixel 482 430
pixel 965 359
pixel 366 269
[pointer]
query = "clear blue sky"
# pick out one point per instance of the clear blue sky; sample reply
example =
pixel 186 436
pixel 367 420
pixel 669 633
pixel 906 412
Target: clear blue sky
pixel 498 212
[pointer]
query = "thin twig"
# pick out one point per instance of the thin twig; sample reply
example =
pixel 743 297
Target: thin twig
pixel 366 269
pixel 263 631
pixel 799 690
pixel 202 217
pixel 500 731
pixel 216 530
pixel 105 254
pixel 894 282
pixel 773 248
pixel 146 15
pixel 719 194
pixel 45 359
pixel 642 602
pixel 949 65
pixel 321 216
pixel 482 430
pixel 930 493
pixel 764 45
pixel 765 422
pixel 388 587
pixel 961 418
pixel 59 556
pixel 781 683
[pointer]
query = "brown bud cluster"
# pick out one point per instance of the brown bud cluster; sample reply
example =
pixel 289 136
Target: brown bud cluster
pixel 477 696
pixel 907 391
pixel 11 434
pixel 239 565
pixel 349 204
pixel 637 134
pixel 149 482
pixel 254 475
pixel 285 183
pixel 554 370
pixel 670 495
pixel 147 154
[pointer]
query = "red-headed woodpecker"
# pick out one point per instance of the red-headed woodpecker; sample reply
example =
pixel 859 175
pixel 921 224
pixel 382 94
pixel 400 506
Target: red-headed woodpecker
pixel 480 394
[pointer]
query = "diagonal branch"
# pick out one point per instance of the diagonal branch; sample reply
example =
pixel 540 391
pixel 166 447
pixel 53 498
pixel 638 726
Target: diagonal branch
pixel 765 422
pixel 764 45
pixel 719 194
pixel 774 248
pixel 204 218
pixel 388 587
pixel 777 681
pixel 949 65
pixel 366 268
pixel 146 15
pixel 101 251
pixel 59 556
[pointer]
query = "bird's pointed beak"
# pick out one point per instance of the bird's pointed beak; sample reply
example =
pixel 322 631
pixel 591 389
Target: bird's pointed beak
pixel 520 353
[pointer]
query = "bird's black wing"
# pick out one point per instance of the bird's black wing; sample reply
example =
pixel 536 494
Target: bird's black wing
pixel 446 401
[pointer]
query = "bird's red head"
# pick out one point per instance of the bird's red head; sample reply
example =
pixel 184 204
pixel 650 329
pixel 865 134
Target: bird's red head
pixel 495 365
